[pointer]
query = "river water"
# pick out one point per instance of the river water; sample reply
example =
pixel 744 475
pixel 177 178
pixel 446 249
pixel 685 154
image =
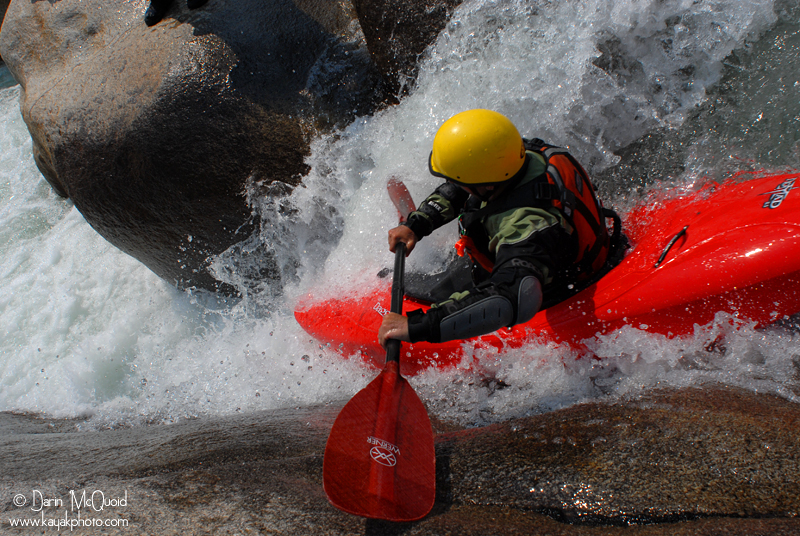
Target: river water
pixel 648 94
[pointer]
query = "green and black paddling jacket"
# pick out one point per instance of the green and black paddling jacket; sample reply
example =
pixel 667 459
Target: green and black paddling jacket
pixel 547 223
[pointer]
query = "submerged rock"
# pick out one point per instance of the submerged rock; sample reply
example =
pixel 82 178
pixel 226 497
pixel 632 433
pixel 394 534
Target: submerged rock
pixel 158 134
pixel 699 462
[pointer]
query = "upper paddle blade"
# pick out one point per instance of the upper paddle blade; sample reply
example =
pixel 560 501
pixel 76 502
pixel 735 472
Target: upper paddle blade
pixel 401 198
pixel 380 460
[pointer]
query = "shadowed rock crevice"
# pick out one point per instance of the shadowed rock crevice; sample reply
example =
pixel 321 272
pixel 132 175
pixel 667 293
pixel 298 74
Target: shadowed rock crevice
pixel 398 33
pixel 3 8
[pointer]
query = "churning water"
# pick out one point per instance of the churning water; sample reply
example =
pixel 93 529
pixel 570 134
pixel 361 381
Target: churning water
pixel 646 93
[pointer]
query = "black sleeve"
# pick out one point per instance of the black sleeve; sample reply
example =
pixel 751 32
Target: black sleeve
pixel 439 208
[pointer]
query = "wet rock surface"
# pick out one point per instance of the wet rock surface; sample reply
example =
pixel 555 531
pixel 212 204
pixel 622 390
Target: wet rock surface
pixel 699 462
pixel 398 32
pixel 3 8
pixel 668 456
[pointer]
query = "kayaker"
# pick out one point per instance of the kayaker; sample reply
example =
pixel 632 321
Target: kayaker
pixel 528 218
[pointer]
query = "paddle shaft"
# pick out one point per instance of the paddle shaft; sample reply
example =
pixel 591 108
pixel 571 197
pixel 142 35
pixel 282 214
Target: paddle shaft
pixel 398 289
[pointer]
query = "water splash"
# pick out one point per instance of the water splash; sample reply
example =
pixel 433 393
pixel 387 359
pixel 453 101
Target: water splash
pixel 89 331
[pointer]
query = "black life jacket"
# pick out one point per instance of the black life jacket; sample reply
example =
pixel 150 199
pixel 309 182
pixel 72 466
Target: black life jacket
pixel 564 185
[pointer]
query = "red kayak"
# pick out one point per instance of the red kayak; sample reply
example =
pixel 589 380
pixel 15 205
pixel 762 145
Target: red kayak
pixel 732 247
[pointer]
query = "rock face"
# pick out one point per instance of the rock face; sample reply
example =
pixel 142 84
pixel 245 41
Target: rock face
pixel 157 134
pixel 397 33
pixel 687 462
pixel 3 8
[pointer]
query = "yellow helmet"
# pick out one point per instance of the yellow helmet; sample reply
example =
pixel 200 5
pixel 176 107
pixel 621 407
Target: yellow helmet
pixel 477 147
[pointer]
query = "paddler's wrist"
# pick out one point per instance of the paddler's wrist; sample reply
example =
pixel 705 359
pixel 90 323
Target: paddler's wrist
pixel 419 225
pixel 419 328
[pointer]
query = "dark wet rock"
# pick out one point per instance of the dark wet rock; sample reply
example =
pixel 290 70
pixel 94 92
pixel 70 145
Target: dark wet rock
pixel 3 9
pixel 398 32
pixel 686 462
pixel 158 133
pixel 668 456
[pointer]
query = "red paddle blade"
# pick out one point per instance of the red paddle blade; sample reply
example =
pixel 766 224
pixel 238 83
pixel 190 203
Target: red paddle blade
pixel 401 198
pixel 380 460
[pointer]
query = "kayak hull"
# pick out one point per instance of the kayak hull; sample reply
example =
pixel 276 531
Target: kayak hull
pixel 732 247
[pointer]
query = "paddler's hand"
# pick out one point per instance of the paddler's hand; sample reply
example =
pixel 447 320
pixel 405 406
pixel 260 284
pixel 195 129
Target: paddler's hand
pixel 394 326
pixel 403 234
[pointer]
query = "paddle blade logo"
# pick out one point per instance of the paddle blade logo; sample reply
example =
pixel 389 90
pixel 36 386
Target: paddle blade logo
pixel 383 456
pixel 383 452
pixel 777 195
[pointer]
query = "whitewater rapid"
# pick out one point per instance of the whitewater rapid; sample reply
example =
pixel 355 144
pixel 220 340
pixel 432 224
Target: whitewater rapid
pixel 89 332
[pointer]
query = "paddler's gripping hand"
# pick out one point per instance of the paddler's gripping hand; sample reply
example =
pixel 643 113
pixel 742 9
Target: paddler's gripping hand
pixel 403 234
pixel 394 326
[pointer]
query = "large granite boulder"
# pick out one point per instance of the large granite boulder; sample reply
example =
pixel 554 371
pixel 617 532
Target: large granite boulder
pixel 157 134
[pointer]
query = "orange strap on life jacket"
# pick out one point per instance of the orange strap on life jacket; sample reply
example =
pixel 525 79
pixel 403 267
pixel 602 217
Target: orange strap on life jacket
pixel 465 246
